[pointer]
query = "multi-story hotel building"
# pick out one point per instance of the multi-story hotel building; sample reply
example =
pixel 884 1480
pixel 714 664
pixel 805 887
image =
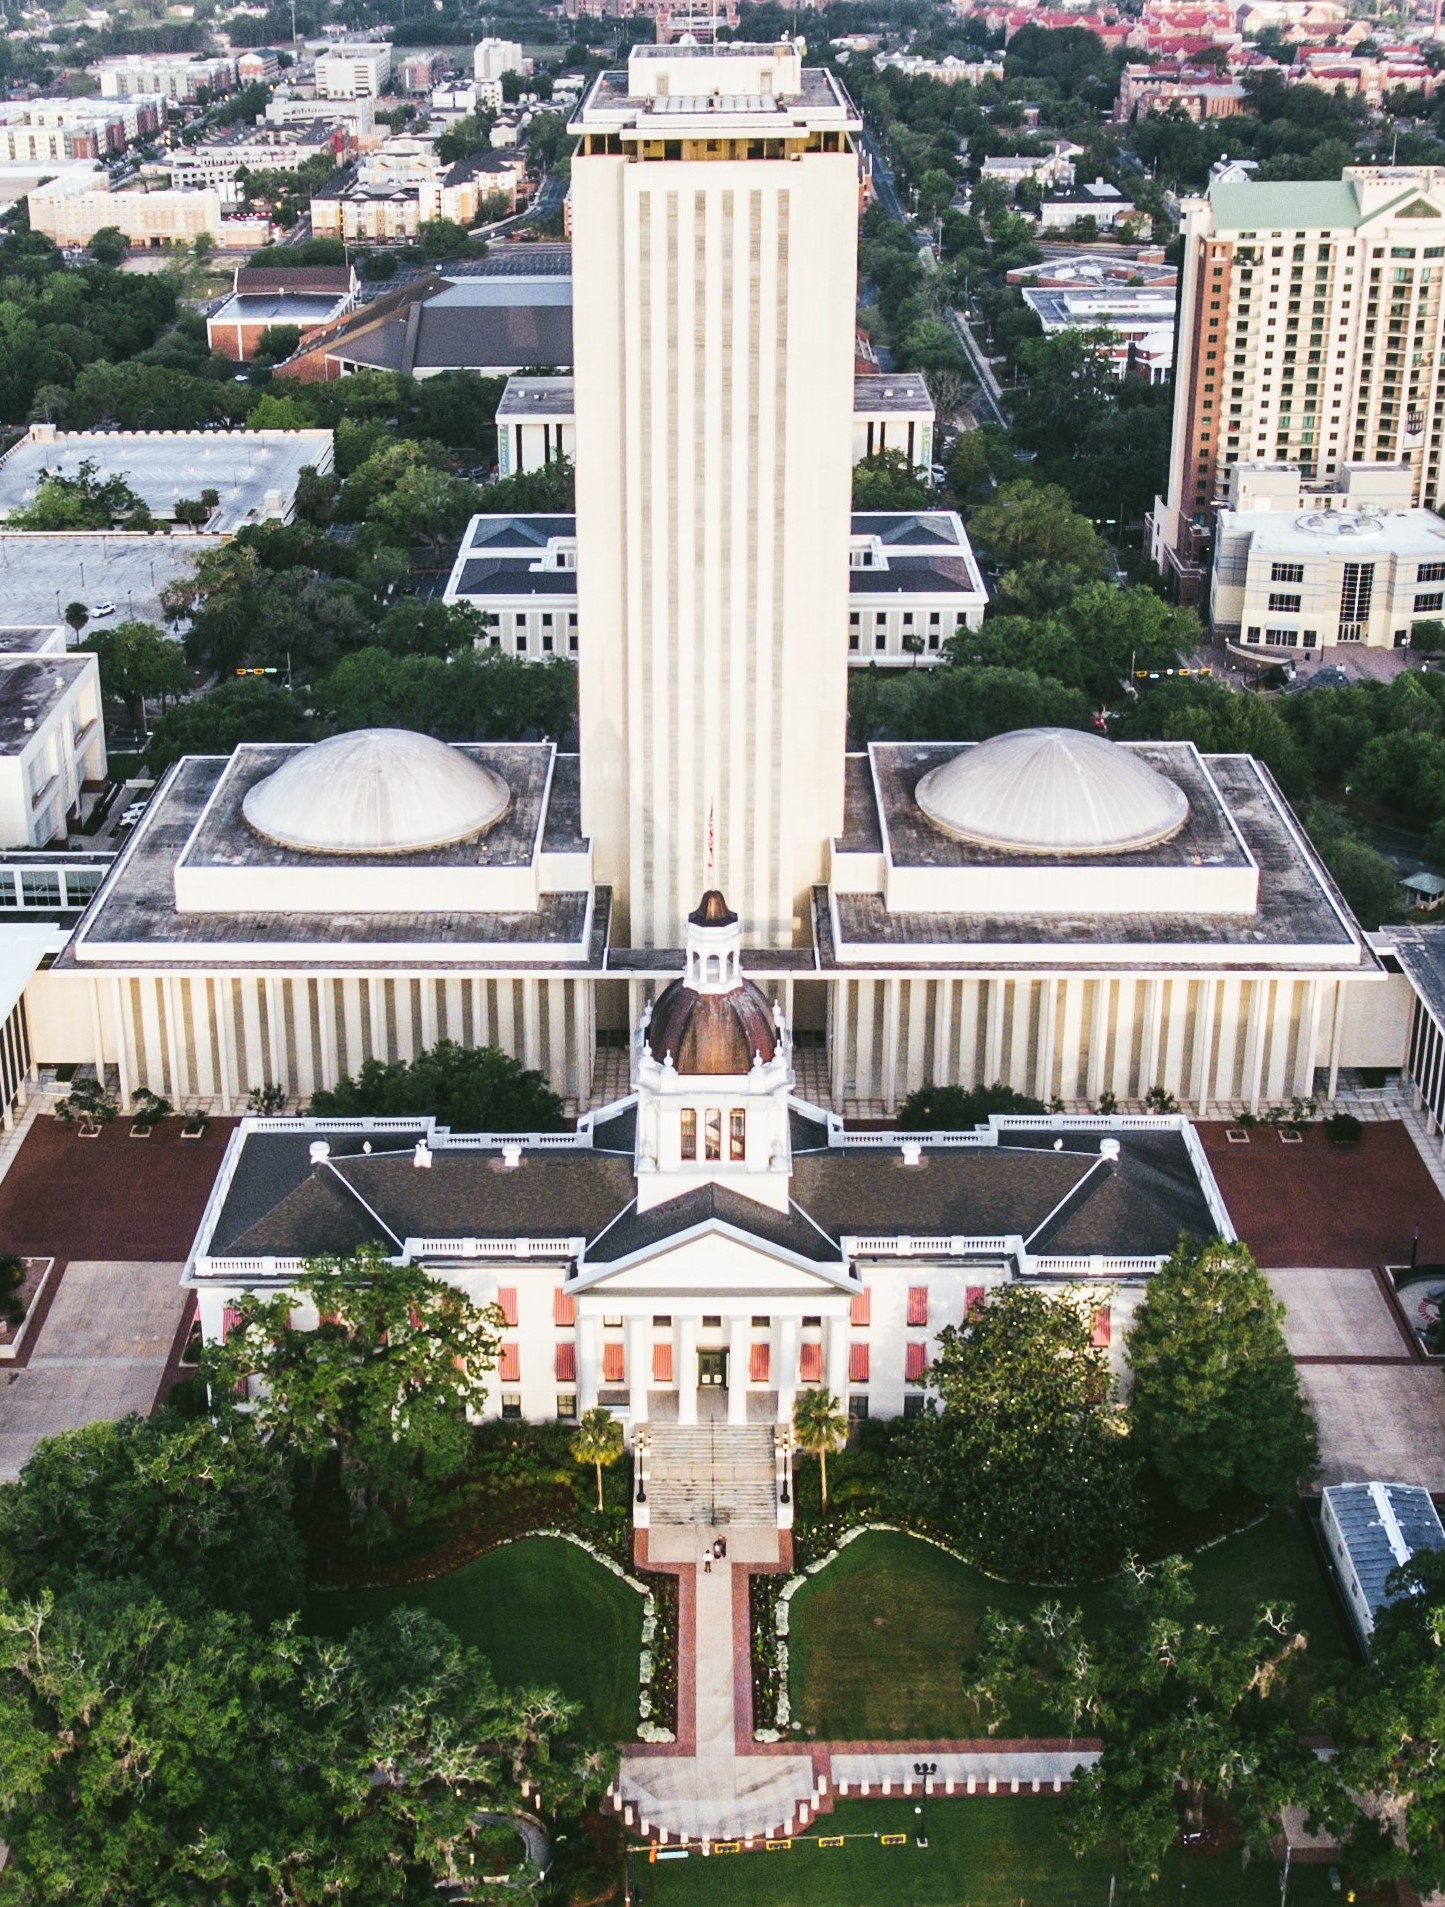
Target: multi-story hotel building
pixel 1309 334
pixel 714 203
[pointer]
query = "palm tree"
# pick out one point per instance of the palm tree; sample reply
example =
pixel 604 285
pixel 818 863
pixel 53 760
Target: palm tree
pixel 819 1425
pixel 597 1440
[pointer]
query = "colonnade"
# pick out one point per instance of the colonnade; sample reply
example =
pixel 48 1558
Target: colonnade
pixel 214 1036
pixel 1208 1040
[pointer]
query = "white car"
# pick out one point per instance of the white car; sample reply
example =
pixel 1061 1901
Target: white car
pixel 102 609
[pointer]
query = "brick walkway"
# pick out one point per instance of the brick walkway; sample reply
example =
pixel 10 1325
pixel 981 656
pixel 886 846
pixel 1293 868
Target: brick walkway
pixel 110 1198
pixel 1317 1204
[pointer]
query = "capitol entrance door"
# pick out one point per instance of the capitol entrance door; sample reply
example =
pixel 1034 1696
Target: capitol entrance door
pixel 712 1370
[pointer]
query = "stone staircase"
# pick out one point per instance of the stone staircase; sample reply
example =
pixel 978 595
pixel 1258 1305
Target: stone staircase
pixel 712 1474
pixel 717 1799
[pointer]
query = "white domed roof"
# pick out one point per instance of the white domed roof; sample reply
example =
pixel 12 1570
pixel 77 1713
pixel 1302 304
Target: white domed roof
pixel 376 791
pixel 1052 791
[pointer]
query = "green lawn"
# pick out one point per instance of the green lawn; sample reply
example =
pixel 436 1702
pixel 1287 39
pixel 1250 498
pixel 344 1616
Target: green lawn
pixel 542 1612
pixel 1000 1852
pixel 877 1640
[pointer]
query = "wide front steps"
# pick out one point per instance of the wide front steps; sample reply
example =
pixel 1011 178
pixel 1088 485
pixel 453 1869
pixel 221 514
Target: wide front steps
pixel 709 1798
pixel 712 1474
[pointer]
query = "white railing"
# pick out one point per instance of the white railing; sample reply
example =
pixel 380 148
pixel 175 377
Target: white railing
pixel 249 1267
pixel 480 1248
pixel 953 1246
pixel 892 1140
pixel 494 1141
pixel 1039 1122
pixel 1096 1267
pixel 1203 1171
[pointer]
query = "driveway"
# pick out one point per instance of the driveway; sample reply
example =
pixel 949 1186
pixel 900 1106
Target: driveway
pixel 1339 1315
pixel 1379 1422
pixel 101 1352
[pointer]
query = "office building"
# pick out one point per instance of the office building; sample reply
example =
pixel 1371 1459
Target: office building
pixel 715 195
pixel 353 72
pixel 1302 567
pixel 52 738
pixel 1310 323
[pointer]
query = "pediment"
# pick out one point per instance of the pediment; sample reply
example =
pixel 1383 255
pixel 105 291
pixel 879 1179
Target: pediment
pixel 716 1257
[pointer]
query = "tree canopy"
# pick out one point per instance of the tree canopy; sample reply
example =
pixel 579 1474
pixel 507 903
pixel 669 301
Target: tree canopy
pixel 162 1758
pixel 192 1511
pixel 1026 1467
pixel 85 501
pixel 1216 1406
pixel 469 1088
pixel 384 1379
pixel 960 1108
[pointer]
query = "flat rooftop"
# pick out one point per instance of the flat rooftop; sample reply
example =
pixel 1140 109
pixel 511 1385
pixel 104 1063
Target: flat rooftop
pixel 1299 905
pixel 31 689
pixel 1349 535
pixel 275 307
pixel 527 397
pixel 39 575
pixel 1114 305
pixel 899 391
pixel 32 640
pixel 161 466
pixel 137 904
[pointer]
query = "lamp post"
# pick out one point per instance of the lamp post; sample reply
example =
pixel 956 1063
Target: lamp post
pixel 785 1495
pixel 639 1453
pixel 927 1770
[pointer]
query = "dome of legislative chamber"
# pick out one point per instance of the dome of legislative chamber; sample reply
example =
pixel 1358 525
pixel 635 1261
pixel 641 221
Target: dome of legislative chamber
pixel 712 1032
pixel 1052 791
pixel 376 791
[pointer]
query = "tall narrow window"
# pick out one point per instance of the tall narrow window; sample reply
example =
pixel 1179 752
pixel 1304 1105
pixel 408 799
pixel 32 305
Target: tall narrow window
pixel 689 1133
pixel 737 1134
pixel 712 1133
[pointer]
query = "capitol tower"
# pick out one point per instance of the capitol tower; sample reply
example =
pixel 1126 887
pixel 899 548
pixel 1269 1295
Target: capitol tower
pixel 715 200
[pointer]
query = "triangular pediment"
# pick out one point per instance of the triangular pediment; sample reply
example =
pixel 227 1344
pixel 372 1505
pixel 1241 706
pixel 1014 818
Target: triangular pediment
pixel 714 1259
pixel 1418 209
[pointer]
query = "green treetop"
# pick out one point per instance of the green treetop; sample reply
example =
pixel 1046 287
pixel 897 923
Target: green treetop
pixel 1216 1405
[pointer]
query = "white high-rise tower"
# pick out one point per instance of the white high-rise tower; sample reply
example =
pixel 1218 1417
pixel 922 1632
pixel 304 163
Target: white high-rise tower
pixel 714 205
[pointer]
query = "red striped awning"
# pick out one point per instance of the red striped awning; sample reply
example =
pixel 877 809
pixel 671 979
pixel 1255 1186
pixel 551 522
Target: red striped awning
pixel 862 1307
pixel 857 1363
pixel 507 1304
pixel 509 1364
pixel 612 1364
pixel 760 1363
pixel 810 1364
pixel 662 1363
pixel 918 1304
pixel 566 1365
pixel 1103 1334
pixel 915 1362
pixel 564 1307
pixel 230 1318
pixel 972 1295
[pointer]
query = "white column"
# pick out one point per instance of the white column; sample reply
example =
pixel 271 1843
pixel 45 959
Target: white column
pixel 219 990
pixel 1124 1038
pixel 639 1367
pixel 587 1360
pixel 1228 1016
pixel 686 1372
pixel 1149 1044
pixel 1048 1021
pixel 1204 1010
pixel 738 1338
pixel 865 1043
pixel 171 1003
pixel 840 1006
pixel 120 1002
pixel 1071 1039
pixel 836 1365
pixel 1020 1026
pixel 1098 1039
pixel 917 1034
pixel 892 1014
pixel 1178 1014
pixel 1277 1078
pixel 97 1039
pixel 1337 1030
pixel 993 1033
pixel 785 1371
pixel 376 1016
pixel 1254 1041
pixel 943 1032
pixel 1309 1039
pixel 967 1033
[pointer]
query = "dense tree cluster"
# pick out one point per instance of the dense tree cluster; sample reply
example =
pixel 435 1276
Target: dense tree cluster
pixel 469 1088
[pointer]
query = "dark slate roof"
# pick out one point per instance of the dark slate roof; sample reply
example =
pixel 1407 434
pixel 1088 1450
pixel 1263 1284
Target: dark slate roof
pixel 486 576
pixel 483 337
pixel 1070 1202
pixel 790 1231
pixel 939 575
pixel 910 527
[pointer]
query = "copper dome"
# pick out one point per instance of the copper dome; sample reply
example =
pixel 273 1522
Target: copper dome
pixel 712 1032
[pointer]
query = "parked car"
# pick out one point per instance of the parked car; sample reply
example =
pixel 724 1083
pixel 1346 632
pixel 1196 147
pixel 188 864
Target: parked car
pixel 102 609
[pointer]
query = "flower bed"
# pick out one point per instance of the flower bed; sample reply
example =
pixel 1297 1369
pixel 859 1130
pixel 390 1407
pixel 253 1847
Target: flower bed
pixel 32 1289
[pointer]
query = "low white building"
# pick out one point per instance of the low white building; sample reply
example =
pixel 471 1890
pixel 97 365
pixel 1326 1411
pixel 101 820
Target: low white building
pixel 52 738
pixel 353 72
pixel 913 582
pixel 1301 567
pixel 1370 1530
pixel 177 76
pixel 536 420
pixel 1139 319
pixel 1105 204
pixel 1051 170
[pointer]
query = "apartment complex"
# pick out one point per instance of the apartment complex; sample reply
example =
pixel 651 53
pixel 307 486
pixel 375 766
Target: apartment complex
pixel 59 130
pixel 1309 327
pixel 715 198
pixel 178 76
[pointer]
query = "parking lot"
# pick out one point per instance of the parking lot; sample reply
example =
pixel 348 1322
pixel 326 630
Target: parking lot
pixel 40 575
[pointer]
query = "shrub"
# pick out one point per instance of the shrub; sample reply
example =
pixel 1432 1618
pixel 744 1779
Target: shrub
pixel 1343 1129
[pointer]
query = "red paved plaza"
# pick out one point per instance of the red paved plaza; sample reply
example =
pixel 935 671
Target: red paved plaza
pixel 111 1198
pixel 1317 1204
